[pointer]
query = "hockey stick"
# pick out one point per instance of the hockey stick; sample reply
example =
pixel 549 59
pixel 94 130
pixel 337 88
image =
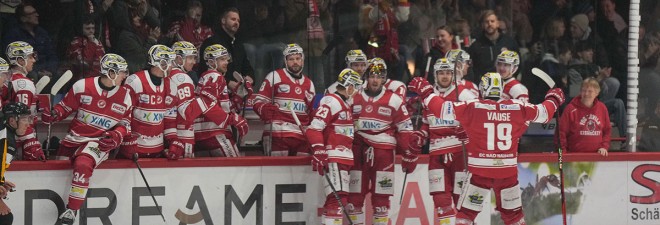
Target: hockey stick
pixel 327 178
pixel 268 151
pixel 418 117
pixel 64 79
pixel 135 160
pixel 467 173
pixel 41 84
pixel 403 188
pixel 560 154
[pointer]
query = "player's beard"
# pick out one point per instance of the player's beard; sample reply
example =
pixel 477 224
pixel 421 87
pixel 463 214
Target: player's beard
pixel 294 70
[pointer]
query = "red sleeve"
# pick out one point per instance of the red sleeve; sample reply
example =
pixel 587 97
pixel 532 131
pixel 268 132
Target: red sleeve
pixel 73 51
pixel 208 89
pixel 607 128
pixel 564 127
pixel 263 96
pixel 322 117
pixel 68 105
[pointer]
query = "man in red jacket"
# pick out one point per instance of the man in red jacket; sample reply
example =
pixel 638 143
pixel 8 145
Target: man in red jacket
pixel 585 124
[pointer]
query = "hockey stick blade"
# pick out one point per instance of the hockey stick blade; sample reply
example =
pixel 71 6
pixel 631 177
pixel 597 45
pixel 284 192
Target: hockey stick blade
pixel 41 84
pixel 65 78
pixel 544 76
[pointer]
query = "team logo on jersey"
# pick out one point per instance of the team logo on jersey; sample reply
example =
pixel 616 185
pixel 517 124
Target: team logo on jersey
pixel 118 108
pixel 298 90
pixel 86 99
pixel 357 109
pixel 284 88
pixel 168 100
pixel 508 107
pixel 159 99
pixel 21 84
pixel 384 111
pixel 180 78
pixel 101 103
pixel 369 109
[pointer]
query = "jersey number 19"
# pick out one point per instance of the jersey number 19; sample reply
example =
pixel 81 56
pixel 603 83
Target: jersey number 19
pixel 503 133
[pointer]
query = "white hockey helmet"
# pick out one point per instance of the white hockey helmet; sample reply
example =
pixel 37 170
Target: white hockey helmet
pixel 509 58
pixel 184 49
pixel 442 64
pixel 4 70
pixel 213 52
pixel 292 49
pixel 491 86
pixel 19 50
pixel 355 55
pixel 161 56
pixel 348 77
pixel 378 61
pixel 452 56
pixel 115 63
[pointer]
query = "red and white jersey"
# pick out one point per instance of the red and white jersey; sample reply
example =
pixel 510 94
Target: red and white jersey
pixel 381 119
pixel 398 87
pixel 213 88
pixel 150 105
pixel 290 94
pixel 23 91
pixel 185 93
pixel 469 86
pixel 97 111
pixel 332 128
pixel 442 133
pixel 513 89
pixel 494 129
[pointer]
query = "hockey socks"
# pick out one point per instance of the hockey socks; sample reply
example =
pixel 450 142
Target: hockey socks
pixel 82 171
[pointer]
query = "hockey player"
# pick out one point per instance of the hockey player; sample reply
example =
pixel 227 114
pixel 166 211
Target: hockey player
pixel 398 87
pixel 506 65
pixel 102 121
pixel 445 143
pixel 21 89
pixel 494 126
pixel 185 59
pixel 382 123
pixel 152 95
pixel 330 134
pixel 282 90
pixel 16 118
pixel 211 139
pixel 355 60
pixel 463 67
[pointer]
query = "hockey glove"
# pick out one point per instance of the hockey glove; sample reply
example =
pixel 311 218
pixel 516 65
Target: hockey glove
pixel 175 151
pixel 268 111
pixel 239 123
pixel 111 140
pixel 420 86
pixel 32 150
pixel 49 116
pixel 555 95
pixel 416 141
pixel 319 160
pixel 461 135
